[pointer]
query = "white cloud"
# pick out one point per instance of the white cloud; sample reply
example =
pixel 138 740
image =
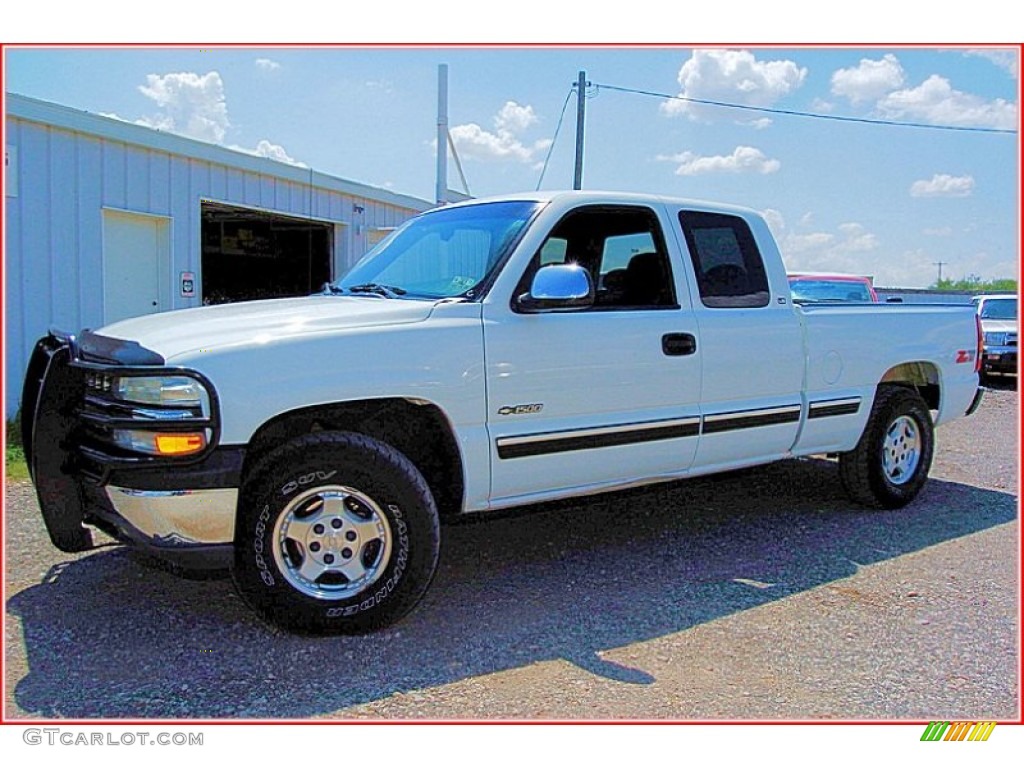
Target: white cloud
pixel 813 241
pixel 514 118
pixel 742 160
pixel 943 185
pixel 850 248
pixel 936 101
pixel 776 222
pixel 384 85
pixel 937 231
pixel 1006 58
pixel 267 64
pixel 191 104
pixel 854 238
pixel 195 105
pixel 869 80
pixel 271 151
pixel 732 76
pixel 503 143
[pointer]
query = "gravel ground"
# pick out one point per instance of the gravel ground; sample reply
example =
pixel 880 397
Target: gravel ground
pixel 760 594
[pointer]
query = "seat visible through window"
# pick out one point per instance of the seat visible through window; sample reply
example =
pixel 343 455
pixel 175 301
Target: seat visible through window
pixel 646 283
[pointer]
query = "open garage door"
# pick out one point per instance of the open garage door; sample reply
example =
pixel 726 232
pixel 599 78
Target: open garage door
pixel 250 254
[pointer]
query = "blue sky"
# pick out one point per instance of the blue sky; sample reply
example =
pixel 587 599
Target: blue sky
pixel 882 201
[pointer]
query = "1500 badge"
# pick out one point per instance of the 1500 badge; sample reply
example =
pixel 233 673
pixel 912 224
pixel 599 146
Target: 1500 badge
pixel 520 410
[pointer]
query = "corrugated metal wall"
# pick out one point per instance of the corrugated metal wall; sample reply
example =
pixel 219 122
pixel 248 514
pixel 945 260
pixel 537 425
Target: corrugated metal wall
pixel 54 224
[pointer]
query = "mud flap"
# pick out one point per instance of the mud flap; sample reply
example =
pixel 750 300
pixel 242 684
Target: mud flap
pixel 51 423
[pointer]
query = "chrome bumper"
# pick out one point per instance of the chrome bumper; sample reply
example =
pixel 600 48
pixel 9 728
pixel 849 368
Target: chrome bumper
pixel 179 517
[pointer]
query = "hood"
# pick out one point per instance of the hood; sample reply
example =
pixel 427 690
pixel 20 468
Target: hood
pixel 998 326
pixel 207 329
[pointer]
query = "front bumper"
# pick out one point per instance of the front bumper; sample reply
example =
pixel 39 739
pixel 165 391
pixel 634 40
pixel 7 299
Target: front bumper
pixel 999 359
pixel 179 508
pixel 177 518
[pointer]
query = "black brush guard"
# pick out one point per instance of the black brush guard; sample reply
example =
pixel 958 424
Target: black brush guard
pixel 52 390
pixel 67 465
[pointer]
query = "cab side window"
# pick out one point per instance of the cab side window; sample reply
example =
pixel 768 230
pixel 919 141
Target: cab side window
pixel 621 247
pixel 729 269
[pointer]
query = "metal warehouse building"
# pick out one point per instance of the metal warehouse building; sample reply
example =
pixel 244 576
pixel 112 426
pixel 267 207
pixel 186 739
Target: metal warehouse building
pixel 105 220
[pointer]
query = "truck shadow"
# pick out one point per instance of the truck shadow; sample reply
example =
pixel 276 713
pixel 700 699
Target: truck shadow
pixel 108 638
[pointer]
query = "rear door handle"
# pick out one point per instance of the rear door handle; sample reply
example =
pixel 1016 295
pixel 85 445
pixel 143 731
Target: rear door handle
pixel 677 344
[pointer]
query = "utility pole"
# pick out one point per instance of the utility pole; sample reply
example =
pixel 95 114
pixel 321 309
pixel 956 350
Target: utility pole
pixel 581 108
pixel 940 265
pixel 441 191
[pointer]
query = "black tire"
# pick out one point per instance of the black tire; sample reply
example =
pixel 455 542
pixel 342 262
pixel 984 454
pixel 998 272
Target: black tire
pixel 890 464
pixel 344 499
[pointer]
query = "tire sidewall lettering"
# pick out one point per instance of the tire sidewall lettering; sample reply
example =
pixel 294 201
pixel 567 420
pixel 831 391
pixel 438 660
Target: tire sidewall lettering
pixel 259 547
pixel 310 477
pixel 400 559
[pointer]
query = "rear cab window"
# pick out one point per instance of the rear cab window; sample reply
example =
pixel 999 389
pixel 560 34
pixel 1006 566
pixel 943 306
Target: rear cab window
pixel 728 266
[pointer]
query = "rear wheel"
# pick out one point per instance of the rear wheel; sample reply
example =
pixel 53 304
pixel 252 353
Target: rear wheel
pixel 890 464
pixel 336 533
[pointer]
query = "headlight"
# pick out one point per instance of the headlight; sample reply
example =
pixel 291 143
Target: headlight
pixel 167 391
pixel 995 338
pixel 160 414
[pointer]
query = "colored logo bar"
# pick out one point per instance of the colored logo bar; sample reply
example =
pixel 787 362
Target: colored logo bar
pixel 957 731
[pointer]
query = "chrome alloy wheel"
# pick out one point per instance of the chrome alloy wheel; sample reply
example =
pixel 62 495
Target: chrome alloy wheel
pixel 332 542
pixel 901 451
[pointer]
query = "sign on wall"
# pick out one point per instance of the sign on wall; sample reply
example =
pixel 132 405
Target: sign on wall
pixel 188 284
pixel 11 170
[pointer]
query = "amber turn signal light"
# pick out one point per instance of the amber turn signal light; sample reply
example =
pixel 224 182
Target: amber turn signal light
pixel 179 443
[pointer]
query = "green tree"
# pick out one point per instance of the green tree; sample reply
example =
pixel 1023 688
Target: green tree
pixel 977 285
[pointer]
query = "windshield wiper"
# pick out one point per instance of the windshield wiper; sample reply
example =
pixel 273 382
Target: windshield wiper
pixel 331 289
pixel 390 291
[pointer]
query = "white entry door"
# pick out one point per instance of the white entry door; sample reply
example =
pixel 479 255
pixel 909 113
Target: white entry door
pixel 135 248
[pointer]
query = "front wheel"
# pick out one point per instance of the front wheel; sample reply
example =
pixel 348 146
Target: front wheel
pixel 890 464
pixel 336 533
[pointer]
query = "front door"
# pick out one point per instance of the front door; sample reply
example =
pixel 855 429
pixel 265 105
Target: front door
pixel 600 396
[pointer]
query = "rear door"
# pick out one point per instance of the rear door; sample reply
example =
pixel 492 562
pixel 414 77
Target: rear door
pixel 753 362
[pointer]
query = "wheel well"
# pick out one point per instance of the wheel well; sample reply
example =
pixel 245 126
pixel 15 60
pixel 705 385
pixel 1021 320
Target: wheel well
pixel 417 429
pixel 924 377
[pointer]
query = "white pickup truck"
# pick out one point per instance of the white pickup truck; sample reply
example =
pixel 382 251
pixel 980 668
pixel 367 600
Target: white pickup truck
pixel 486 355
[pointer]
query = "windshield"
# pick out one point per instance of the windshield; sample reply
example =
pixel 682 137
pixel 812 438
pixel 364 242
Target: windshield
pixel 440 254
pixel 829 290
pixel 999 309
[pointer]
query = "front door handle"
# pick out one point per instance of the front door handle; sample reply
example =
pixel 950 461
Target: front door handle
pixel 677 344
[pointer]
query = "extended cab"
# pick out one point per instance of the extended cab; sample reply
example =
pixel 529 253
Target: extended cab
pixel 485 355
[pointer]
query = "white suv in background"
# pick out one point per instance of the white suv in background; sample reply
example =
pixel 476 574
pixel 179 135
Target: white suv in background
pixel 998 314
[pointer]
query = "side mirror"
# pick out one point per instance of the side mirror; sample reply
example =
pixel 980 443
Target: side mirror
pixel 558 287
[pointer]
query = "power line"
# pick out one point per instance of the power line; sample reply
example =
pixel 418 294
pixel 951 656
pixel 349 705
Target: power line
pixel 558 127
pixel 797 113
